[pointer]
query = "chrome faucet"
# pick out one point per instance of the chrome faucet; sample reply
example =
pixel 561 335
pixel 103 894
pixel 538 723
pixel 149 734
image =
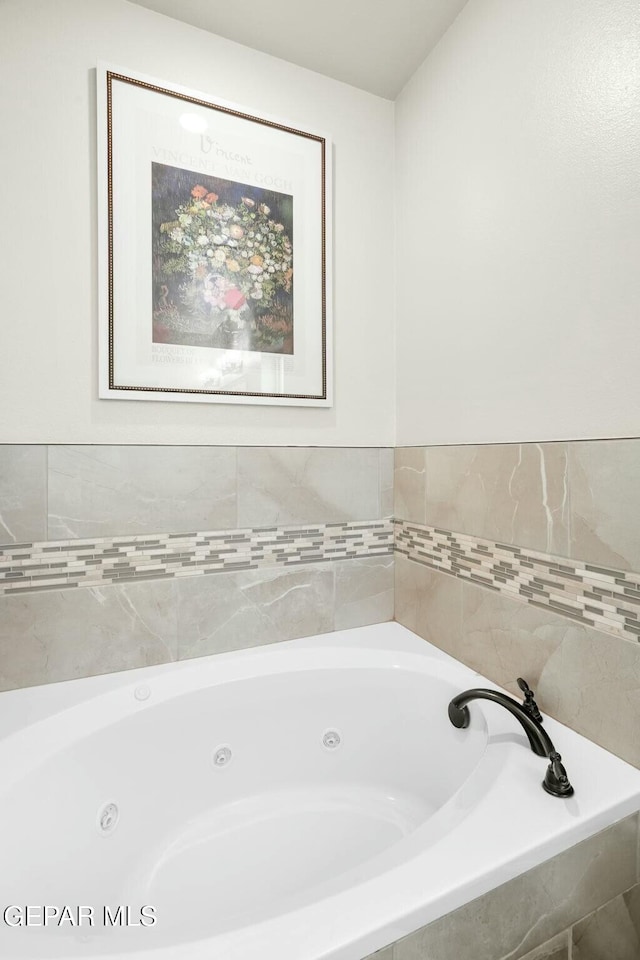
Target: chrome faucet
pixel 527 714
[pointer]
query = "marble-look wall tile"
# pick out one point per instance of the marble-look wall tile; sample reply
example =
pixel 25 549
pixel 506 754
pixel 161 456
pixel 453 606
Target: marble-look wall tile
pixel 410 484
pixel 605 502
pixel 23 493
pixel 280 485
pixel 364 592
pixel 65 634
pixel 61 635
pixel 387 456
pixel 215 616
pixel 577 499
pixel 582 677
pixel 113 490
pixel 514 493
pixel 298 602
pixel 592 683
pixel 505 639
pixel 521 915
pixel 231 611
pixel 612 932
pixel 555 949
pixel 430 604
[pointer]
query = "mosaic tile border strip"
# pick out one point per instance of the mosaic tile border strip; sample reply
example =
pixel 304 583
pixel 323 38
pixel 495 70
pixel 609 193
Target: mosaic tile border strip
pixel 595 596
pixel 63 564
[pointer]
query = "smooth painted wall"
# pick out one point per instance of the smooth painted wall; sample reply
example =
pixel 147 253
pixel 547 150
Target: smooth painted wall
pixel 518 288
pixel 48 332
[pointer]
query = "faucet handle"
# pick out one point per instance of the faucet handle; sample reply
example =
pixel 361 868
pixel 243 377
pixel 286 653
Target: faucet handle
pixel 529 703
pixel 556 781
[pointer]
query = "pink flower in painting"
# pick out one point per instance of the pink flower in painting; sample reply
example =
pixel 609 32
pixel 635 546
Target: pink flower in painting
pixel 199 192
pixel 234 299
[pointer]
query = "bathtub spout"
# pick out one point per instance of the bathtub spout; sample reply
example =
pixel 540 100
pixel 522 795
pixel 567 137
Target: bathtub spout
pixel 556 781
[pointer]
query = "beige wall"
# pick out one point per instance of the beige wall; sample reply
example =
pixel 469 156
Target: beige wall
pixel 517 222
pixel 48 360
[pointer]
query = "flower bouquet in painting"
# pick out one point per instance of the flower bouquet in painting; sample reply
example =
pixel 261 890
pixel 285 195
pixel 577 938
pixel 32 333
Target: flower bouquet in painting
pixel 222 263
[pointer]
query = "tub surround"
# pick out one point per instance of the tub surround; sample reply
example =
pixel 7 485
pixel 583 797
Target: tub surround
pixel 593 595
pixel 64 634
pixel 126 515
pixel 514 493
pixel 114 593
pixel 577 646
pixel 23 492
pixel 61 492
pixel 576 499
pixel 65 564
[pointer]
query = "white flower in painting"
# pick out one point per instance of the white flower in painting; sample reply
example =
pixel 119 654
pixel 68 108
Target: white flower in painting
pixel 220 255
pixel 272 269
pixel 209 252
pixel 218 239
pixel 263 208
pixel 203 240
pixel 232 243
pixel 258 237
pixel 256 293
pixel 227 212
pixel 185 219
pixel 254 269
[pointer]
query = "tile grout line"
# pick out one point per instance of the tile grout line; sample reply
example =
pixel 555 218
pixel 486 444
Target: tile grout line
pixel 46 490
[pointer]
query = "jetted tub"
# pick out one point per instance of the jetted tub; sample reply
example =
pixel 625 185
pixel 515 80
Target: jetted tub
pixel 301 801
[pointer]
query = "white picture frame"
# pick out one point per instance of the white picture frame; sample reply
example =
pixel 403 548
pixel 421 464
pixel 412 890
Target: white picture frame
pixel 215 249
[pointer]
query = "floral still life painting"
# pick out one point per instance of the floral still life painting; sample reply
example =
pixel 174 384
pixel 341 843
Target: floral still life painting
pixel 222 263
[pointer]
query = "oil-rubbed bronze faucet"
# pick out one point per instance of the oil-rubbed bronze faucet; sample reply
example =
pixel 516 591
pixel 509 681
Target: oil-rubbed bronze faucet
pixel 556 781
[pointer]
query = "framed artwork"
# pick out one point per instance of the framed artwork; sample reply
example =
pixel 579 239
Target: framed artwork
pixel 215 249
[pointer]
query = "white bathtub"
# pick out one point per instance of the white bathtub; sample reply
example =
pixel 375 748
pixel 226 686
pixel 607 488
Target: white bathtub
pixel 346 812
